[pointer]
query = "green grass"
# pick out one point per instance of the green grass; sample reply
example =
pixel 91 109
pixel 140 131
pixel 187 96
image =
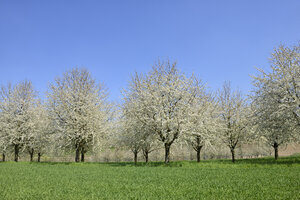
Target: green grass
pixel 218 179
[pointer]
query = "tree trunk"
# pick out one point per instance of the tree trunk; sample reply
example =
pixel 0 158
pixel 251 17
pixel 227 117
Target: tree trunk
pixel 276 150
pixel 232 154
pixel 77 155
pixel 31 154
pixel 198 147
pixel 198 153
pixel 3 157
pixel 167 153
pixel 135 157
pixel 82 155
pixel 146 155
pixel 39 157
pixel 16 152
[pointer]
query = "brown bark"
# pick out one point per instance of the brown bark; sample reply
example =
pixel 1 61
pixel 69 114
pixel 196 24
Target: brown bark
pixel 146 155
pixel 135 157
pixel 3 157
pixel 82 155
pixel 232 154
pixel 31 152
pixel 167 153
pixel 276 150
pixel 39 157
pixel 77 155
pixel 197 147
pixel 198 153
pixel 17 148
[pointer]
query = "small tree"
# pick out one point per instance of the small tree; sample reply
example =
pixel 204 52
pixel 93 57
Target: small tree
pixel 202 124
pixel 234 117
pixel 273 125
pixel 42 133
pixel 148 144
pixel 275 133
pixel 135 136
pixel 130 136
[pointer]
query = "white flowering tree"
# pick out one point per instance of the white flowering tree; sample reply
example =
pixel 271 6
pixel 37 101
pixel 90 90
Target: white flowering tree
pixel 202 124
pixel 3 140
pixel 276 99
pixel 79 108
pixel 234 118
pixel 278 90
pixel 161 100
pixel 41 136
pixel 273 129
pixel 130 137
pixel 136 136
pixel 17 115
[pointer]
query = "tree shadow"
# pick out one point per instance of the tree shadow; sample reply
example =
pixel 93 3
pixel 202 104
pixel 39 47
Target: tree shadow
pixel 271 161
pixel 143 164
pixel 249 161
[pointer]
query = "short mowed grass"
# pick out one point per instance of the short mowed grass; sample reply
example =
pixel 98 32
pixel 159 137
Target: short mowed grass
pixel 217 179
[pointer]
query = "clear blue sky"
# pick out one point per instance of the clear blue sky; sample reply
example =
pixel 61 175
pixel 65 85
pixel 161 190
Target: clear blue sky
pixel 217 40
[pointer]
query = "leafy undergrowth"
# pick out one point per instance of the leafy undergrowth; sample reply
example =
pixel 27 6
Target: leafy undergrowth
pixel 262 178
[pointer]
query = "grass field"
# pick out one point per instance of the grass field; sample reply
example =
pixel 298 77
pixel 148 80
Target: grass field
pixel 218 179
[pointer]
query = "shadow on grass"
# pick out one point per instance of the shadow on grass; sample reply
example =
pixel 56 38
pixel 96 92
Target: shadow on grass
pixel 115 164
pixel 271 161
pixel 251 161
pixel 260 161
pixel 143 164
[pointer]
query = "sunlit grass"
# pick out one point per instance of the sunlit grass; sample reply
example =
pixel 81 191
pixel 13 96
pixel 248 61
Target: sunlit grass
pixel 218 179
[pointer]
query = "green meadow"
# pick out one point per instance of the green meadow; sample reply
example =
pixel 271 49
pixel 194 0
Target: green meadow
pixel 262 178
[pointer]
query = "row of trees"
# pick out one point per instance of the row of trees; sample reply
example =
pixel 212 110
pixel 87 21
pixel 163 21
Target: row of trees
pixel 159 108
pixel 170 107
pixel 76 116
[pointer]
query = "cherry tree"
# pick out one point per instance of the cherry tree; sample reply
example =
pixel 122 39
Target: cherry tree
pixel 3 143
pixel 136 136
pixel 273 129
pixel 148 144
pixel 130 137
pixel 278 90
pixel 202 124
pixel 275 98
pixel 161 100
pixel 79 108
pixel 41 136
pixel 17 116
pixel 234 117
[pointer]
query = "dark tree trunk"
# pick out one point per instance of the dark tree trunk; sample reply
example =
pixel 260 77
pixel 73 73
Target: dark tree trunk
pixel 232 154
pixel 3 157
pixel 135 157
pixel 198 147
pixel 39 157
pixel 198 153
pixel 276 150
pixel 82 155
pixel 167 153
pixel 146 155
pixel 31 151
pixel 16 152
pixel 77 155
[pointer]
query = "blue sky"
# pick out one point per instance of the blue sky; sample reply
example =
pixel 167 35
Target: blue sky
pixel 217 40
